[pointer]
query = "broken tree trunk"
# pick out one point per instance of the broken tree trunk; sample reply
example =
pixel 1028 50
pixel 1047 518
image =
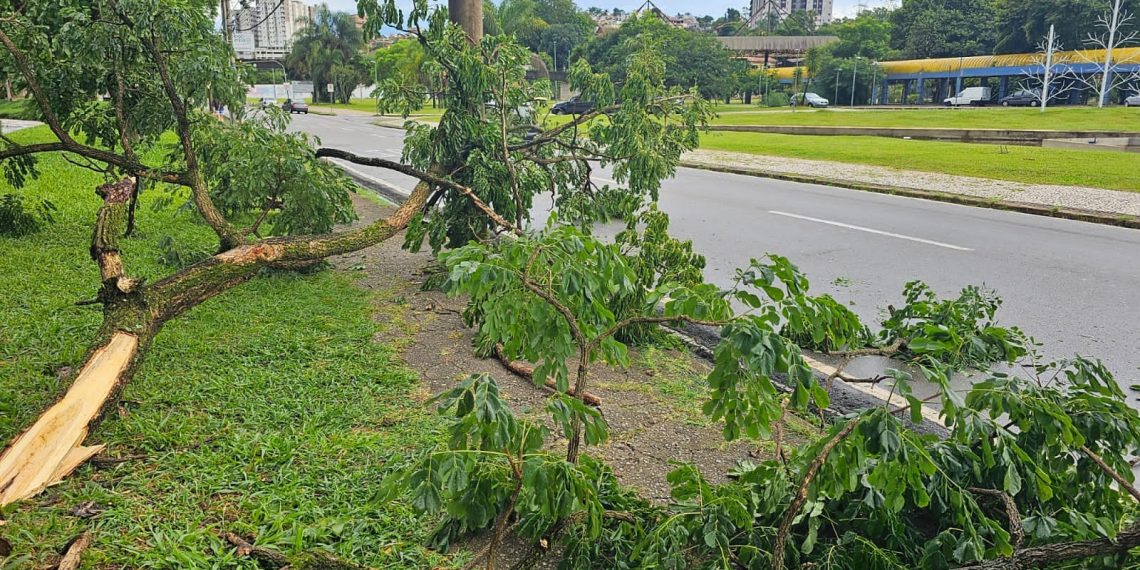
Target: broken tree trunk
pixel 133 314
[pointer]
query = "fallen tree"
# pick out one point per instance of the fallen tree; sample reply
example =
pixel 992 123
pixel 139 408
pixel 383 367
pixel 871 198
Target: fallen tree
pixel 164 65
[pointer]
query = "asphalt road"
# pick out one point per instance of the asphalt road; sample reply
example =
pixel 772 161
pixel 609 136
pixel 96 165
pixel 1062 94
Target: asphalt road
pixel 1074 286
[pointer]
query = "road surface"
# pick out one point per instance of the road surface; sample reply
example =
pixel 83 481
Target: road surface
pixel 1074 286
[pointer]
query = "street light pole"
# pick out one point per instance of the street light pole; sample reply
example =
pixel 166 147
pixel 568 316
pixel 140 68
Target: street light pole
pixel 854 70
pixel 874 77
pixel 836 98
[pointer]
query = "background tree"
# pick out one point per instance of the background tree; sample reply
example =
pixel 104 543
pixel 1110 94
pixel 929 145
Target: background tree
pixel 1022 23
pixel 331 40
pixel 798 23
pixel 867 35
pixel 936 28
pixel 693 60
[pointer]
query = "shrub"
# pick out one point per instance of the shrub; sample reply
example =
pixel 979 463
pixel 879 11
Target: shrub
pixel 777 99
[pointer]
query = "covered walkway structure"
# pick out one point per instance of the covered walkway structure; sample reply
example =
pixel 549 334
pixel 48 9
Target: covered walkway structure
pixel 922 81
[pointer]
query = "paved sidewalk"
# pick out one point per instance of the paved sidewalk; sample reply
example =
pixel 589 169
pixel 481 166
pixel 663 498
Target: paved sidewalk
pixel 9 125
pixel 1077 198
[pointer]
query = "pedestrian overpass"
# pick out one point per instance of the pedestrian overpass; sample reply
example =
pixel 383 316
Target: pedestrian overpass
pixel 932 80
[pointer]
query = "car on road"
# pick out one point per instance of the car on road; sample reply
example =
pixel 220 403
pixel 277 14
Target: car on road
pixel 812 100
pixel 1133 100
pixel 267 102
pixel 573 106
pixel 976 96
pixel 290 106
pixel 1022 98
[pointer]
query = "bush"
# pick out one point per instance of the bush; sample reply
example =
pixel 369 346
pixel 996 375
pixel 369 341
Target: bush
pixel 777 99
pixel 17 220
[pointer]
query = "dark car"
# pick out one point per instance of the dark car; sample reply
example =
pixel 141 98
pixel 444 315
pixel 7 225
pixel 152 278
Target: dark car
pixel 1023 98
pixel 290 106
pixel 574 106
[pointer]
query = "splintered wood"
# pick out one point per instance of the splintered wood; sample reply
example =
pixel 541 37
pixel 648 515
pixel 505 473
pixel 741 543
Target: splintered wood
pixel 53 447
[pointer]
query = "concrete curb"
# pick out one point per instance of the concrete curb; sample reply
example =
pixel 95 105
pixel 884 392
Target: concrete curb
pixel 1031 137
pixel 1092 216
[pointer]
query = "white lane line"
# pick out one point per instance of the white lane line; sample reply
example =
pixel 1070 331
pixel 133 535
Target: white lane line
pixel 870 230
pixel 349 167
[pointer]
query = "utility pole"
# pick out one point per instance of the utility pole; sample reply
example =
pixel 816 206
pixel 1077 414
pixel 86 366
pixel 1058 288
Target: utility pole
pixel 1048 70
pixel 469 15
pixel 1107 53
pixel 854 70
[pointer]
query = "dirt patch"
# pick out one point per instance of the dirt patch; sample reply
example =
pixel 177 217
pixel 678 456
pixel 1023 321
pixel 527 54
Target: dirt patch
pixel 652 408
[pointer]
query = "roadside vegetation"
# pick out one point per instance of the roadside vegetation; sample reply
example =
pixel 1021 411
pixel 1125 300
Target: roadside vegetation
pixel 1114 119
pixel 1032 165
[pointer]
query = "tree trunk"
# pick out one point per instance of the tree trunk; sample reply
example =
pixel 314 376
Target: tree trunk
pixel 469 15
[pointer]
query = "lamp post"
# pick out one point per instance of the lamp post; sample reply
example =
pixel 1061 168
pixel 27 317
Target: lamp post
pixel 854 70
pixel 874 77
pixel 836 98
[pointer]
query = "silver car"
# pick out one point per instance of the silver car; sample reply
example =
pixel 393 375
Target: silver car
pixel 1133 101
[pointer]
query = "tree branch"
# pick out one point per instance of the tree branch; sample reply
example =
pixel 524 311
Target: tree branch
pixel 520 369
pixel 1042 556
pixel 780 543
pixel 423 176
pixel 1016 532
pixel 179 292
pixel 1120 480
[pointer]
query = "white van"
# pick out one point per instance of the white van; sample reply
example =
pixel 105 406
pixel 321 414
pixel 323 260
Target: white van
pixel 969 96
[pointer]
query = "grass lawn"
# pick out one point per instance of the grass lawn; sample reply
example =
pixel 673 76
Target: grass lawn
pixel 269 411
pixel 1114 170
pixel 1122 119
pixel 369 106
pixel 19 109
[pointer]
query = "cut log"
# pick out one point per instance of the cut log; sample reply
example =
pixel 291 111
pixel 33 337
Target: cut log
pixel 52 448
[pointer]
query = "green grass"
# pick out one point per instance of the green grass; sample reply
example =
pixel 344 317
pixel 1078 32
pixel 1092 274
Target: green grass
pixel 1036 165
pixel 269 411
pixel 18 109
pixel 1115 119
pixel 369 106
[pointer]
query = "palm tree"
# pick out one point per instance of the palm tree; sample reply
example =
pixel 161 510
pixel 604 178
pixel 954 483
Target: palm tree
pixel 330 41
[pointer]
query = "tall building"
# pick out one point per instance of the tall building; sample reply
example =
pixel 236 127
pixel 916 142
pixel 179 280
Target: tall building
pixel 265 30
pixel 763 10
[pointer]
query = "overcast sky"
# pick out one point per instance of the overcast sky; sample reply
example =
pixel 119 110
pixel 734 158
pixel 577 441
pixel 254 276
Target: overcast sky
pixel 696 7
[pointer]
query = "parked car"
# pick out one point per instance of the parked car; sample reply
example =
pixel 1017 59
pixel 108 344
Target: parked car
pixel 976 96
pixel 290 106
pixel 1022 98
pixel 812 100
pixel 573 106
pixel 1133 100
